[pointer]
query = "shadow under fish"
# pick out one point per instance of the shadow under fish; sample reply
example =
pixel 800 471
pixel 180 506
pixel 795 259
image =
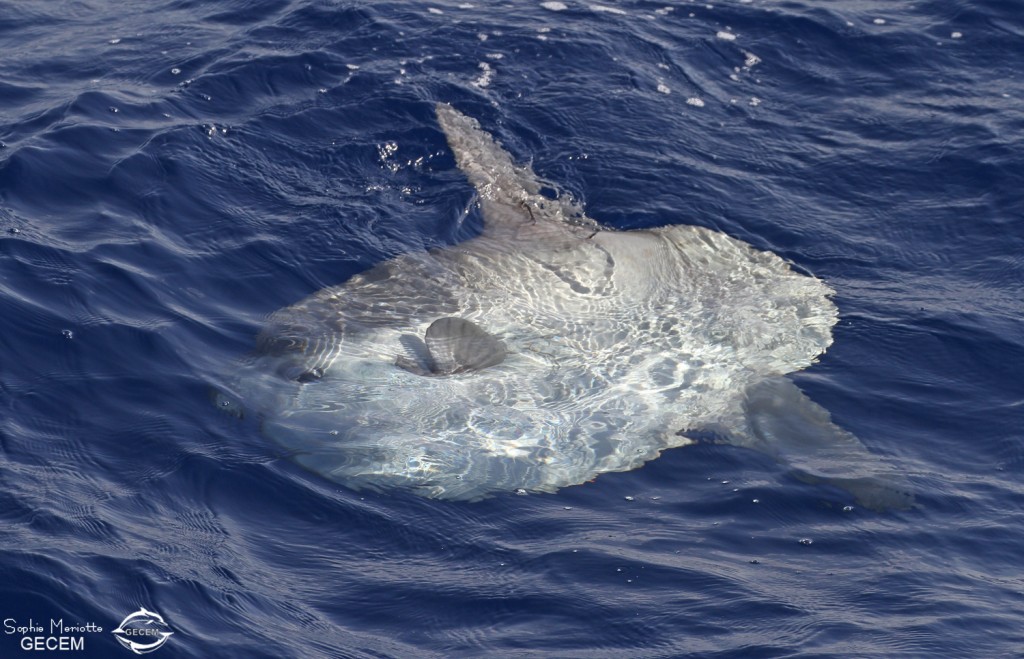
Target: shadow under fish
pixel 548 350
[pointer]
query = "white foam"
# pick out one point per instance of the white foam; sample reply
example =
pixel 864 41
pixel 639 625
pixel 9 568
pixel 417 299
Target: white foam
pixel 485 77
pixel 956 35
pixel 728 36
pixel 695 102
pixel 554 6
pixel 608 10
pixel 663 89
pixel 879 21
pixel 434 10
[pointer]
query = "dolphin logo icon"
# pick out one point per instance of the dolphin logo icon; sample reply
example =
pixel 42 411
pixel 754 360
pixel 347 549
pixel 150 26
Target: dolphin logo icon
pixel 142 631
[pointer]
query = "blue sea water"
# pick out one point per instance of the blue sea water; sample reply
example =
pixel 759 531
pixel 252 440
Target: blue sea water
pixel 173 172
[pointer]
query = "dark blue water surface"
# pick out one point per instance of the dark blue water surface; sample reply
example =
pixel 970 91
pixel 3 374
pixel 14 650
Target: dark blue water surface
pixel 173 172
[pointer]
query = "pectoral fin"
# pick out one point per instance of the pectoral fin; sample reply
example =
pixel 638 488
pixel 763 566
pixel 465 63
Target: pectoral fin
pixel 452 345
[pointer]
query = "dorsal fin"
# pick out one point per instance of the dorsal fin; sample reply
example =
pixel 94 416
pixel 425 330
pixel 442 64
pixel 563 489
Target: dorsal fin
pixel 484 162
pixel 510 195
pixel 454 345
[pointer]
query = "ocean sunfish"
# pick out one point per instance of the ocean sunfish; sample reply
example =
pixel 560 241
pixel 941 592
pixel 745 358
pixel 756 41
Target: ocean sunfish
pixel 549 350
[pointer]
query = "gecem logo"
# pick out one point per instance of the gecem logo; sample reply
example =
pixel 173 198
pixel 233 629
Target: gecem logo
pixel 143 631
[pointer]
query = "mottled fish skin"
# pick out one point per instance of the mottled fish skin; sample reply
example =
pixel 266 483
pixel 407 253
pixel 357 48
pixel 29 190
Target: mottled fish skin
pixel 548 350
